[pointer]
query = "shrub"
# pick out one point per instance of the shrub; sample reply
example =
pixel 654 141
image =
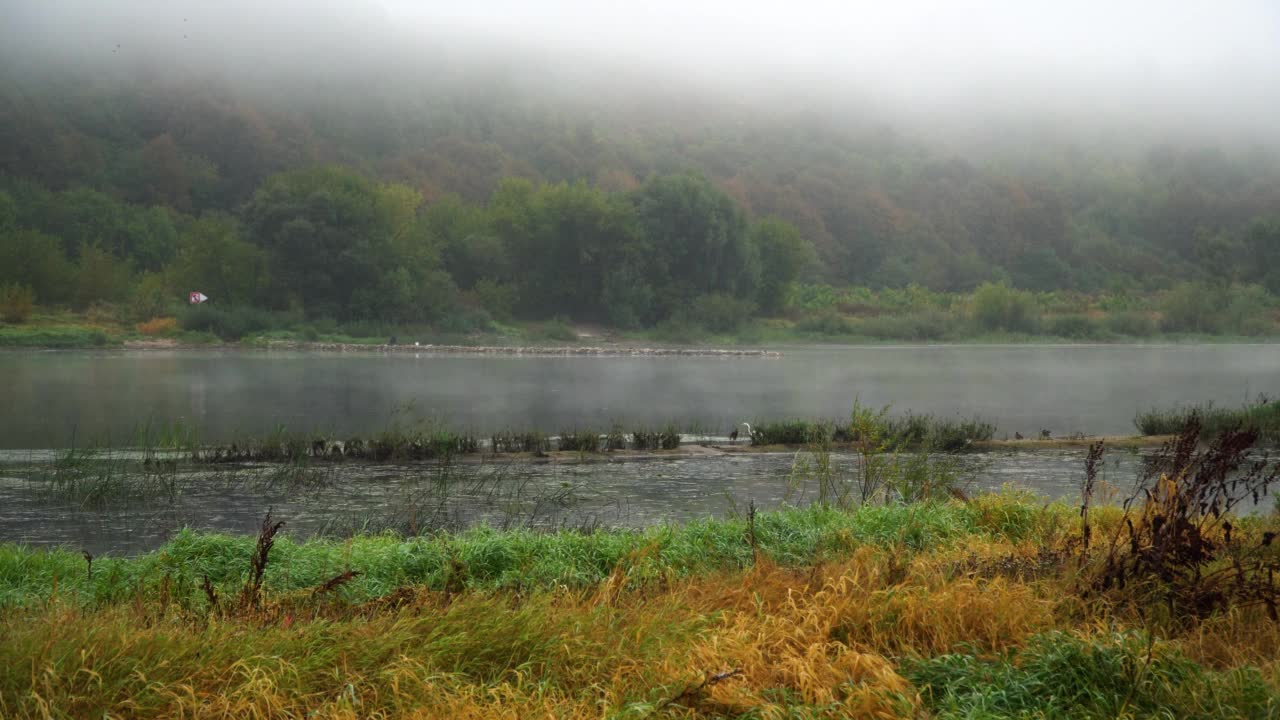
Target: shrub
pixel 558 329
pixel 678 329
pixel 1074 327
pixel 158 326
pixel 928 325
pixel 1131 322
pixel 103 312
pixel 999 307
pixel 720 312
pixel 16 302
pixel 1192 307
pixel 464 319
pixel 152 298
pixel 1174 548
pixel 827 322
pixel 498 299
pixel 1245 311
pixel 227 323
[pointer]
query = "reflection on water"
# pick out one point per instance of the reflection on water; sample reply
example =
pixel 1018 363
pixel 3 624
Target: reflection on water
pixel 346 498
pixel 52 399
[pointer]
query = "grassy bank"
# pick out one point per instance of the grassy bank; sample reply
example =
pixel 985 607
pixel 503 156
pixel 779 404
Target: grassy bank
pixel 1262 416
pixel 936 609
pixel 1164 605
pixel 816 315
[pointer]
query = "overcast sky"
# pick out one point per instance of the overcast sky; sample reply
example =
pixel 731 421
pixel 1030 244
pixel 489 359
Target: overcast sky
pixel 1199 60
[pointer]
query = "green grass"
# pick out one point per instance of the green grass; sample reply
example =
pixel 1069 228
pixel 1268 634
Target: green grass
pixel 485 558
pixel 61 337
pixel 1263 416
pixel 1059 675
pixel 909 430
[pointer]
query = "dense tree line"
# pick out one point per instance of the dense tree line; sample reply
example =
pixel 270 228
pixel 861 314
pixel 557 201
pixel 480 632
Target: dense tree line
pixel 329 241
pixel 428 209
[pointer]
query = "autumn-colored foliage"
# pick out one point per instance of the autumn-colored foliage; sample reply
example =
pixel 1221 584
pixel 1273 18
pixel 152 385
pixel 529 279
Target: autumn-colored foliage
pixel 158 326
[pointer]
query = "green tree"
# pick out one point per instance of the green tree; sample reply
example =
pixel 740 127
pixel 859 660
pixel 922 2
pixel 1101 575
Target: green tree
pixel 999 307
pixel 1262 253
pixel 699 240
pixel 36 259
pixel 333 237
pixel 783 254
pixel 216 261
pixel 101 277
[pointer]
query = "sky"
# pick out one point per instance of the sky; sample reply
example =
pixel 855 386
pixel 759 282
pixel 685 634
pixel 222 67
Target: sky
pixel 1168 63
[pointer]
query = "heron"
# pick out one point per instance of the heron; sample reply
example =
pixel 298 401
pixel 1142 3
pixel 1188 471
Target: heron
pixel 734 435
pixel 1017 436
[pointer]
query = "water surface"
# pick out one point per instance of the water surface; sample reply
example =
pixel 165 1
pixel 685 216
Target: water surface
pixel 52 399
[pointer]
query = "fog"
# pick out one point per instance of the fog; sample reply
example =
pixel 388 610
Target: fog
pixel 955 71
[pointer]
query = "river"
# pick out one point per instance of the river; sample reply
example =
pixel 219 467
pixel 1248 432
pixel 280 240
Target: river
pixel 55 399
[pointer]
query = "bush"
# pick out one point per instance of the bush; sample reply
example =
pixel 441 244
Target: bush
pixel 498 299
pixel 1245 310
pixel 1131 322
pixel 679 330
pixel 158 326
pixel 999 307
pixel 16 302
pixel 102 312
pixel 721 313
pixel 1074 327
pixel 1192 307
pixel 558 329
pixel 827 322
pixel 227 323
pixel 464 319
pixel 151 298
pixel 929 325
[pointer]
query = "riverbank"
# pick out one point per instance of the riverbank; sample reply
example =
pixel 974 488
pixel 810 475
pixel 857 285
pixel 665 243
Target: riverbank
pixel 66 330
pixel 944 610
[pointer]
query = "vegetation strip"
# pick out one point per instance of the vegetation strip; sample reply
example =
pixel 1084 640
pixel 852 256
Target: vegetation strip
pixel 997 606
pixel 528 350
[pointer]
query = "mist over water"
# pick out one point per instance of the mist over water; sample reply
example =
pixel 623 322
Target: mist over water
pixel 54 399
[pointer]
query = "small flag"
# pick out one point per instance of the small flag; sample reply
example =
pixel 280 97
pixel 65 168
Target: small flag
pixel 198 297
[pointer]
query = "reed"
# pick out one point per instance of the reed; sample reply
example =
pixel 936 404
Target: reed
pixel 1262 416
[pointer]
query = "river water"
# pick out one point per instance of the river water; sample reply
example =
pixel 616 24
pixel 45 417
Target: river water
pixel 55 399
pixel 342 499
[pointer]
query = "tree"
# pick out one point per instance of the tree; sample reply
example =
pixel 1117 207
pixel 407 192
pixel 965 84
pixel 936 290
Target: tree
pixel 101 276
pixel 216 261
pixel 999 307
pixel 331 233
pixel 783 254
pixel 164 178
pixel 33 258
pixel 699 240
pixel 1262 250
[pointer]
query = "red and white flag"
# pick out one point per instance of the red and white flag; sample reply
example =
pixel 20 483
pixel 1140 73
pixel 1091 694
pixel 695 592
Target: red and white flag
pixel 198 297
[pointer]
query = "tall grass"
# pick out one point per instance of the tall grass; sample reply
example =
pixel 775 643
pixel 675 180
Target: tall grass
pixel 910 430
pixel 1064 676
pixel 495 559
pixel 1262 416
pixel 928 610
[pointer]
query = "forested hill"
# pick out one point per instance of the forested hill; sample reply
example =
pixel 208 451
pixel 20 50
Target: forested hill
pixel 364 196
